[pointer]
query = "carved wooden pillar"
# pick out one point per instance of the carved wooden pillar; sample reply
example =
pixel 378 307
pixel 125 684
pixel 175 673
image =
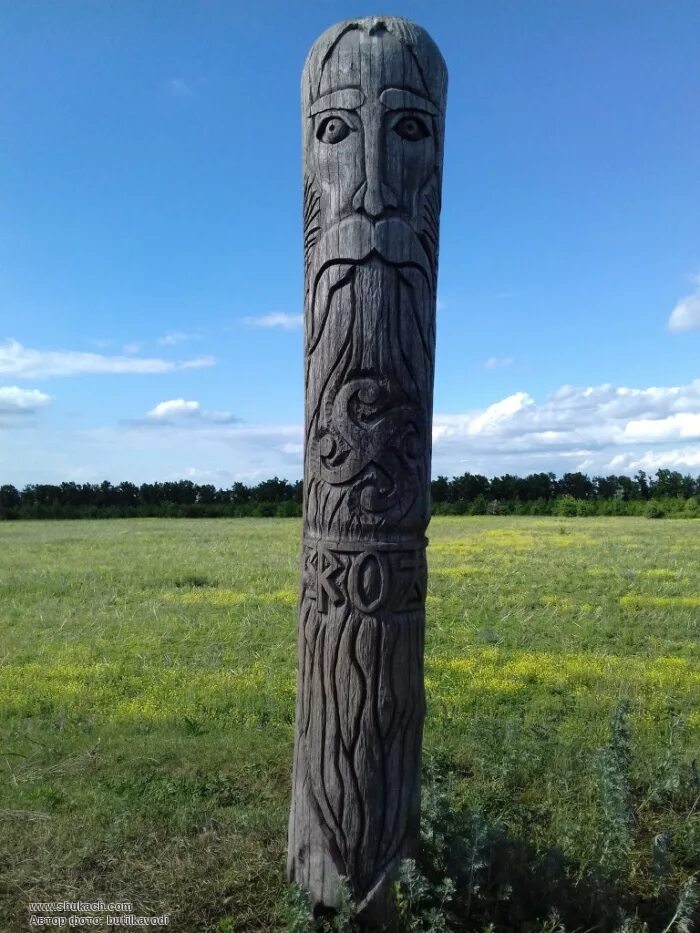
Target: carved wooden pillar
pixel 373 104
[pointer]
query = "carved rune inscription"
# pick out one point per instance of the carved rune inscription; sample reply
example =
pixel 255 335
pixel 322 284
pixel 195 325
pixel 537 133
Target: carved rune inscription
pixel 367 580
pixel 373 103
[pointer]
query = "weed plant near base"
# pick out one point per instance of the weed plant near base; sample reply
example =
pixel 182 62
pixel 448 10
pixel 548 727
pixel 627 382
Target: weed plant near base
pixel 147 680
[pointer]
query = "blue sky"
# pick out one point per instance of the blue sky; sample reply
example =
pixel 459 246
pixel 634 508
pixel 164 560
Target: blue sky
pixel 150 245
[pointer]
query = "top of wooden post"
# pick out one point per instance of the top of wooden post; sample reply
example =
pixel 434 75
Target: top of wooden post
pixel 409 60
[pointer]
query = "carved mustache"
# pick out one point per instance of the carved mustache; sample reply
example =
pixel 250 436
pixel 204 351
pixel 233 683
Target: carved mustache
pixel 349 242
pixel 356 237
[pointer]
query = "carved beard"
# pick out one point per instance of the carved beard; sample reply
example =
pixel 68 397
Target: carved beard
pixel 369 335
pixel 360 713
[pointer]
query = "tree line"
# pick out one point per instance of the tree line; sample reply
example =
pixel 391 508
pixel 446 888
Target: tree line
pixel 667 493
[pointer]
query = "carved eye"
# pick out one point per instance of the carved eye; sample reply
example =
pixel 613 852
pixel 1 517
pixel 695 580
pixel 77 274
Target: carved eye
pixel 332 130
pixel 412 129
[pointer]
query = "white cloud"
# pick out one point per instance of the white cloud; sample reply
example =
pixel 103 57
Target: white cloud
pixel 571 423
pixel 595 429
pixel 276 319
pixel 683 425
pixel 220 478
pixel 174 338
pixel 181 419
pixel 294 450
pixel 27 363
pixel 132 347
pixel 498 362
pixel 14 400
pixel 492 420
pixel 500 413
pixel 177 438
pixel 677 458
pixel 686 314
pixel 573 428
pixel 175 407
pixel 178 411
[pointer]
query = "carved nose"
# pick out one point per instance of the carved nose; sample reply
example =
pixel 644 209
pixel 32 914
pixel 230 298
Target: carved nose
pixel 373 199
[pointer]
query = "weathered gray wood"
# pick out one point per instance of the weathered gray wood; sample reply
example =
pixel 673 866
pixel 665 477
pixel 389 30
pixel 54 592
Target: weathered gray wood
pixel 373 103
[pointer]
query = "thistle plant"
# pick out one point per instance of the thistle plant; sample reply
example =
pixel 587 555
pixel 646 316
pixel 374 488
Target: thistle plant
pixel 614 792
pixel 683 919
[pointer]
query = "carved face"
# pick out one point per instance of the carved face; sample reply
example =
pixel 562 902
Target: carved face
pixel 371 130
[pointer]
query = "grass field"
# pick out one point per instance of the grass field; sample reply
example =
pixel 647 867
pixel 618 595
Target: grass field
pixel 147 681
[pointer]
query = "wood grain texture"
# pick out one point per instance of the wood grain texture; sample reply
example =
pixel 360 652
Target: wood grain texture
pixel 373 104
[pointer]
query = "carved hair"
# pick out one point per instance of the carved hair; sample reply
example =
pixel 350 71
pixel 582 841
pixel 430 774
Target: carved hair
pixel 414 37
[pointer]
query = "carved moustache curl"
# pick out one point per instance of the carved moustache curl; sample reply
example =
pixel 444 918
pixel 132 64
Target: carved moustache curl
pixel 344 246
pixel 355 238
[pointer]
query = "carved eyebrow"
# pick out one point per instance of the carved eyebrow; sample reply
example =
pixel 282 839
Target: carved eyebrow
pixel 349 98
pixel 395 98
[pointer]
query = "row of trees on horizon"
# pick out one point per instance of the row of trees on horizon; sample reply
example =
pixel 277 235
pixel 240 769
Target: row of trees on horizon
pixel 668 492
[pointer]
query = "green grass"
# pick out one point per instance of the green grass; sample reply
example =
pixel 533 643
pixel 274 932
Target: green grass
pixel 147 679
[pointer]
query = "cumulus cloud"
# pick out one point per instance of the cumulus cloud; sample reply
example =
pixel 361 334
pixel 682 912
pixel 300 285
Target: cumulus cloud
pixel 682 425
pixel 182 419
pixel 27 363
pixel 572 423
pixel 686 314
pixel 219 426
pixel 178 411
pixel 174 408
pixel 16 401
pixel 595 429
pixel 573 428
pixel 498 362
pixel 677 458
pixel 276 319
